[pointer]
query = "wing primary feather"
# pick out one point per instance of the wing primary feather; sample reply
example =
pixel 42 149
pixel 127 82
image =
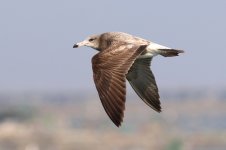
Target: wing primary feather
pixel 109 71
pixel 143 82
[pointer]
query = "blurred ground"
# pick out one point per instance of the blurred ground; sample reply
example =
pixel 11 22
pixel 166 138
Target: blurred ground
pixel 191 120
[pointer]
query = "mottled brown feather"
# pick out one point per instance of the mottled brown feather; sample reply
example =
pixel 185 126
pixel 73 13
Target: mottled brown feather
pixel 109 69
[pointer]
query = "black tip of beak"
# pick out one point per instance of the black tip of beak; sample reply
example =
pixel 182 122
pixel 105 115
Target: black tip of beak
pixel 75 46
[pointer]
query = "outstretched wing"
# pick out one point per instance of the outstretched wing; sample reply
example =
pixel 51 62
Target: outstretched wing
pixel 143 82
pixel 109 69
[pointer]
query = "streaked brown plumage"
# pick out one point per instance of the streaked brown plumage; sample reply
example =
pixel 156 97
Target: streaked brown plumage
pixel 123 56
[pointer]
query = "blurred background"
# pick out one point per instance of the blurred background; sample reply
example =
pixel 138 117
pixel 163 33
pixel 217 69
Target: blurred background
pixel 48 100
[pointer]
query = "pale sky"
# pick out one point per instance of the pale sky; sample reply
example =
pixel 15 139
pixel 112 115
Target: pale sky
pixel 36 39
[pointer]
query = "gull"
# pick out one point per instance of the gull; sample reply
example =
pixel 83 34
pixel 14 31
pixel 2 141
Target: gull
pixel 123 56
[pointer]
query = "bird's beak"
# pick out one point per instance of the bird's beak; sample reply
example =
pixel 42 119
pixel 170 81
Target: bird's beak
pixel 83 43
pixel 75 46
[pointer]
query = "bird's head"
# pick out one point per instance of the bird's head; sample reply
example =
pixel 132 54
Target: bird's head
pixel 91 41
pixel 103 41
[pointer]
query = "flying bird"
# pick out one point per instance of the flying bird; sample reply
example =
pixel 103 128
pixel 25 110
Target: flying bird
pixel 123 56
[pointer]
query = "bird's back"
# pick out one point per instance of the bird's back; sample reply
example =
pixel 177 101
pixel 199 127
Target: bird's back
pixel 125 37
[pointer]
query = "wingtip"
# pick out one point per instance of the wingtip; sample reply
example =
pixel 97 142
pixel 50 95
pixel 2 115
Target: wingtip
pixel 156 107
pixel 117 124
pixel 160 110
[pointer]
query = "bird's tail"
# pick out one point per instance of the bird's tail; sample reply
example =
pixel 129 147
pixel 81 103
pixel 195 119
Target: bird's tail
pixel 170 52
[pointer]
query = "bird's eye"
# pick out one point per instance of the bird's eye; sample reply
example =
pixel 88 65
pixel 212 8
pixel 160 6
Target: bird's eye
pixel 91 40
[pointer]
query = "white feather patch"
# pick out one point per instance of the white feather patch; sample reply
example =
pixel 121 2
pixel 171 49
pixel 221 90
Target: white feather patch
pixel 153 50
pixel 154 46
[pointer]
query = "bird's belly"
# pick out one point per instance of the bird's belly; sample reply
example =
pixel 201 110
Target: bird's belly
pixel 148 53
